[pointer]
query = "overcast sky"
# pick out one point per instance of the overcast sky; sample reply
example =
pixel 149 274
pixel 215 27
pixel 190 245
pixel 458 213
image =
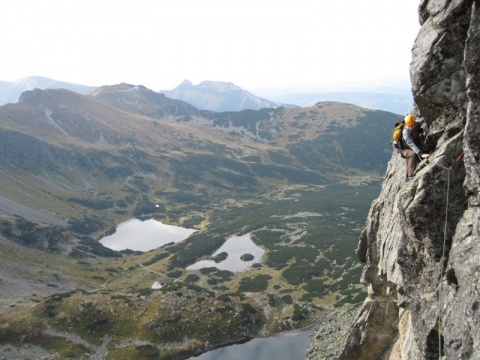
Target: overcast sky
pixel 256 44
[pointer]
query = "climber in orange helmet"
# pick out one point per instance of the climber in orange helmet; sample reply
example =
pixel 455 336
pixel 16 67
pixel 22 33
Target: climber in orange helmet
pixel 411 137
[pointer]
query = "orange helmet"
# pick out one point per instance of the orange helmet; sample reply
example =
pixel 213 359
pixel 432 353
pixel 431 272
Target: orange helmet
pixel 409 120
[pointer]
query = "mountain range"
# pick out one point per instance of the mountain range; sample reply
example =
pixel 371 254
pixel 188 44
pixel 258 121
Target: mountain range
pixel 58 139
pixel 209 95
pixel 225 96
pixel 75 166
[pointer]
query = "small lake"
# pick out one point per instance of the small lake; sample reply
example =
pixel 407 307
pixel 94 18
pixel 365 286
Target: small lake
pixel 144 235
pixel 285 346
pixel 235 247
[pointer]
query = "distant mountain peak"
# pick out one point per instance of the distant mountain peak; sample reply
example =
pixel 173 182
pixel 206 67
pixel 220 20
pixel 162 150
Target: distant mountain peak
pixel 186 83
pixel 220 85
pixel 140 100
pixel 219 96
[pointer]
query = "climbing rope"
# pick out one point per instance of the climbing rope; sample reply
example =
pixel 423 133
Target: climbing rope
pixel 442 267
pixel 442 259
pixel 445 229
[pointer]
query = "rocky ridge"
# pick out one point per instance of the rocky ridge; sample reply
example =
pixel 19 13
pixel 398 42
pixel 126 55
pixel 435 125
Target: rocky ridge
pixel 421 243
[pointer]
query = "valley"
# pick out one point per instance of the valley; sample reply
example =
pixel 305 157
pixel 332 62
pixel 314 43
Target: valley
pixel 298 181
pixel 309 270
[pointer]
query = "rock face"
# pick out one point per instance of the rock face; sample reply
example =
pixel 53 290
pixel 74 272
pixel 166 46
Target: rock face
pixel 421 244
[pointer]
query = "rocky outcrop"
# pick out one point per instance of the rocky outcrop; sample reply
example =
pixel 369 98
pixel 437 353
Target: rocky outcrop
pixel 421 244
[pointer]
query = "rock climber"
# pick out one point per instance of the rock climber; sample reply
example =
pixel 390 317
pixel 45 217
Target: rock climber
pixel 411 138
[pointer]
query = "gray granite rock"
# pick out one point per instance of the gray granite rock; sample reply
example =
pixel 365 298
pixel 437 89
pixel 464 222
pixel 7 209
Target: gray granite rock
pixel 421 244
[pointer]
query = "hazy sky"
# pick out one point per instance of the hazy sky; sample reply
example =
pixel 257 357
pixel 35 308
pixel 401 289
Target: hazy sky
pixel 256 44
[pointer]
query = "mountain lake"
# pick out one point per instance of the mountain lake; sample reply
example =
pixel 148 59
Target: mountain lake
pixel 235 247
pixel 144 235
pixel 284 346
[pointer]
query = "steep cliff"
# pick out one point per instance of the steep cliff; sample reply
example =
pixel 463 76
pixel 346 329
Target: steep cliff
pixel 421 244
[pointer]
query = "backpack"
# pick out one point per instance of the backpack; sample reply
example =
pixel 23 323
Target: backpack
pixel 397 139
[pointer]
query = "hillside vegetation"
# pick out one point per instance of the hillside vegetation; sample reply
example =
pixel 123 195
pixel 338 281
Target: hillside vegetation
pixel 299 181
